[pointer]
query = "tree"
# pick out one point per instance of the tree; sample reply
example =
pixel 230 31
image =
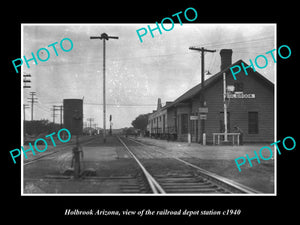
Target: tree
pixel 140 122
pixel 43 126
pixel 129 130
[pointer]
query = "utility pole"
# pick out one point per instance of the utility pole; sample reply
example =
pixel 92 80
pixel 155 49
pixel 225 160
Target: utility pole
pixel 53 113
pixel 110 124
pixel 90 120
pixel 104 37
pixel 25 106
pixel 61 115
pixel 60 107
pixel 202 95
pixel 225 107
pixel 32 101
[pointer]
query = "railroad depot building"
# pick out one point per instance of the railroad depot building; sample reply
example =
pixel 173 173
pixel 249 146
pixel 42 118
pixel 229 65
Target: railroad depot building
pixel 250 107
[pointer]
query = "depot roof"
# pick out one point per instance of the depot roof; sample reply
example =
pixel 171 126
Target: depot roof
pixel 207 83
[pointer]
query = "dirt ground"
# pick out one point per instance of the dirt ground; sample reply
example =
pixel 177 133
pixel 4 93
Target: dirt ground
pixel 114 167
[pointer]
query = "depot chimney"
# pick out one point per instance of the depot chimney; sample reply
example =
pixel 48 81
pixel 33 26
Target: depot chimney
pixel 159 106
pixel 226 58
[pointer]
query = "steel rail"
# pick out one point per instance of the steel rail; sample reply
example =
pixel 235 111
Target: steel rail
pixel 219 178
pixel 154 185
pixel 36 159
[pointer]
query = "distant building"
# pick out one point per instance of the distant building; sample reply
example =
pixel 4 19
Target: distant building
pixel 157 121
pixel 250 107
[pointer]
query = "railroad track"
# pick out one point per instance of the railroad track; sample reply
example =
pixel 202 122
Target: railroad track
pixel 190 180
pixel 45 155
pixel 158 173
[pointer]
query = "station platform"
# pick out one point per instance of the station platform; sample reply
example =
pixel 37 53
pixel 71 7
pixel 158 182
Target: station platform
pixel 228 152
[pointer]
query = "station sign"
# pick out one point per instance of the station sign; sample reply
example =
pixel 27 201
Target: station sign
pixel 203 116
pixel 194 117
pixel 203 110
pixel 240 95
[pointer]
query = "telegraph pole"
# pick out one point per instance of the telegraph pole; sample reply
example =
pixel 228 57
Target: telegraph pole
pixel 25 106
pixel 110 124
pixel 61 115
pixel 32 101
pixel 90 120
pixel 60 107
pixel 225 108
pixel 104 37
pixel 53 114
pixel 202 95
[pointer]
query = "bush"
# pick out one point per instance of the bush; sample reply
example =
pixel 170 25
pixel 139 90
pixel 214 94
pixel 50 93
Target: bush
pixel 37 127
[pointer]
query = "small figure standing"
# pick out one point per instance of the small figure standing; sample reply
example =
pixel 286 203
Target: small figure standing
pixel 239 130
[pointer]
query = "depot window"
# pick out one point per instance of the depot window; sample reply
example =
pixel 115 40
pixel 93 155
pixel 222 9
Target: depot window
pixel 252 122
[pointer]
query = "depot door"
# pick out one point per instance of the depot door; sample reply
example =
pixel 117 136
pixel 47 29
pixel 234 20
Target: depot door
pixel 194 130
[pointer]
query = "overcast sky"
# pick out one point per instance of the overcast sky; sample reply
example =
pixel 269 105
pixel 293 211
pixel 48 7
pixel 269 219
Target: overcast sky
pixel 136 73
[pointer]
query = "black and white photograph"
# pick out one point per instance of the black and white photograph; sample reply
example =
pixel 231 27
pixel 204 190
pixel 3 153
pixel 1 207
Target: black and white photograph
pixel 166 115
pixel 143 112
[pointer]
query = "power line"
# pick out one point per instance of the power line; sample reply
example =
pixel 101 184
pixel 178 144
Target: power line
pixel 110 104
pixel 237 42
pixel 149 56
pixel 123 105
pixel 212 62
pixel 45 110
pixel 122 59
pixel 156 55
pixel 253 48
